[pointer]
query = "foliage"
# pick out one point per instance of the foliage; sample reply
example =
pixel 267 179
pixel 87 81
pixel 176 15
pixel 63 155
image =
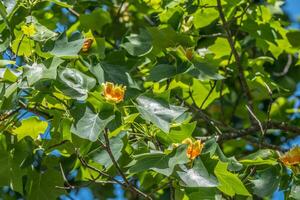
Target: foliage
pixel 128 88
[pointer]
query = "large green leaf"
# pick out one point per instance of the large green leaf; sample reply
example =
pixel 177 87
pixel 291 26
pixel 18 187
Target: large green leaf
pixel 295 192
pixel 95 21
pixel 11 172
pixel 230 184
pixel 42 184
pixel 158 112
pixel 90 125
pixel 42 33
pixel 200 90
pixel 38 71
pixel 75 83
pixel 159 162
pixel 65 48
pixel 31 127
pixel 138 44
pixel 267 182
pixel 177 134
pixel 116 146
pixel 204 17
pixel 197 176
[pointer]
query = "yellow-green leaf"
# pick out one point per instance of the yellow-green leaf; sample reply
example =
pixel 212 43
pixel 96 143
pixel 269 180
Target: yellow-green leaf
pixel 31 127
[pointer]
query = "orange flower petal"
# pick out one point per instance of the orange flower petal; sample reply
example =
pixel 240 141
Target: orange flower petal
pixel 292 157
pixel 113 93
pixel 194 149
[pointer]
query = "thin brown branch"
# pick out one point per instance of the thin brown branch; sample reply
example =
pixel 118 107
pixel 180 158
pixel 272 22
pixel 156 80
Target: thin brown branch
pixel 115 163
pixel 125 185
pixel 237 57
pixel 34 110
pixel 64 177
pixel 57 145
pixel 209 93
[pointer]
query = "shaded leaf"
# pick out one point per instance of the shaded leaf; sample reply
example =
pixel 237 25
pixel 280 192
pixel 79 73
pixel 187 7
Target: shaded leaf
pixel 158 112
pixel 90 125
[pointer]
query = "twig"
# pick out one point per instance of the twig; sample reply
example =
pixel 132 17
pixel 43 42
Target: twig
pixel 259 123
pixel 19 44
pixel 9 114
pixel 132 188
pixel 257 143
pixel 209 93
pixel 129 185
pixel 64 177
pixel 270 105
pixel 33 110
pixel 120 8
pixel 56 145
pixel 74 12
pixel 286 67
pixel 108 149
pixel 230 40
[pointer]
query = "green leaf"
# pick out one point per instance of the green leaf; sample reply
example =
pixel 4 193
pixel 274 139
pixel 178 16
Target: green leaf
pixel 98 72
pixel 295 192
pixel 204 193
pixel 9 75
pixel 293 37
pixel 23 46
pixel 65 48
pixel 42 184
pixel 158 112
pixel 11 173
pixel 212 148
pixel 98 17
pixel 200 91
pixel 162 72
pixel 230 184
pixel 197 176
pixel 38 71
pixel 138 45
pixel 31 127
pixel 116 146
pixel 159 162
pixel 75 83
pixel 220 48
pixel 90 125
pixel 205 69
pixel 267 182
pixel 42 33
pixel 177 134
pixel 204 17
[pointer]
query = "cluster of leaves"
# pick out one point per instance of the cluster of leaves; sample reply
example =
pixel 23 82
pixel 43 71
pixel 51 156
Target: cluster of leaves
pixel 216 70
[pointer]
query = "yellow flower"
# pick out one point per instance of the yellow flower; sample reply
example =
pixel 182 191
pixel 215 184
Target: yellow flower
pixel 292 157
pixel 28 30
pixel 113 93
pixel 194 148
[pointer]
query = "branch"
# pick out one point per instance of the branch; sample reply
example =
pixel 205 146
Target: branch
pixel 130 187
pixel 237 57
pixel 127 183
pixel 108 149
pixel 35 111
pixel 283 126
